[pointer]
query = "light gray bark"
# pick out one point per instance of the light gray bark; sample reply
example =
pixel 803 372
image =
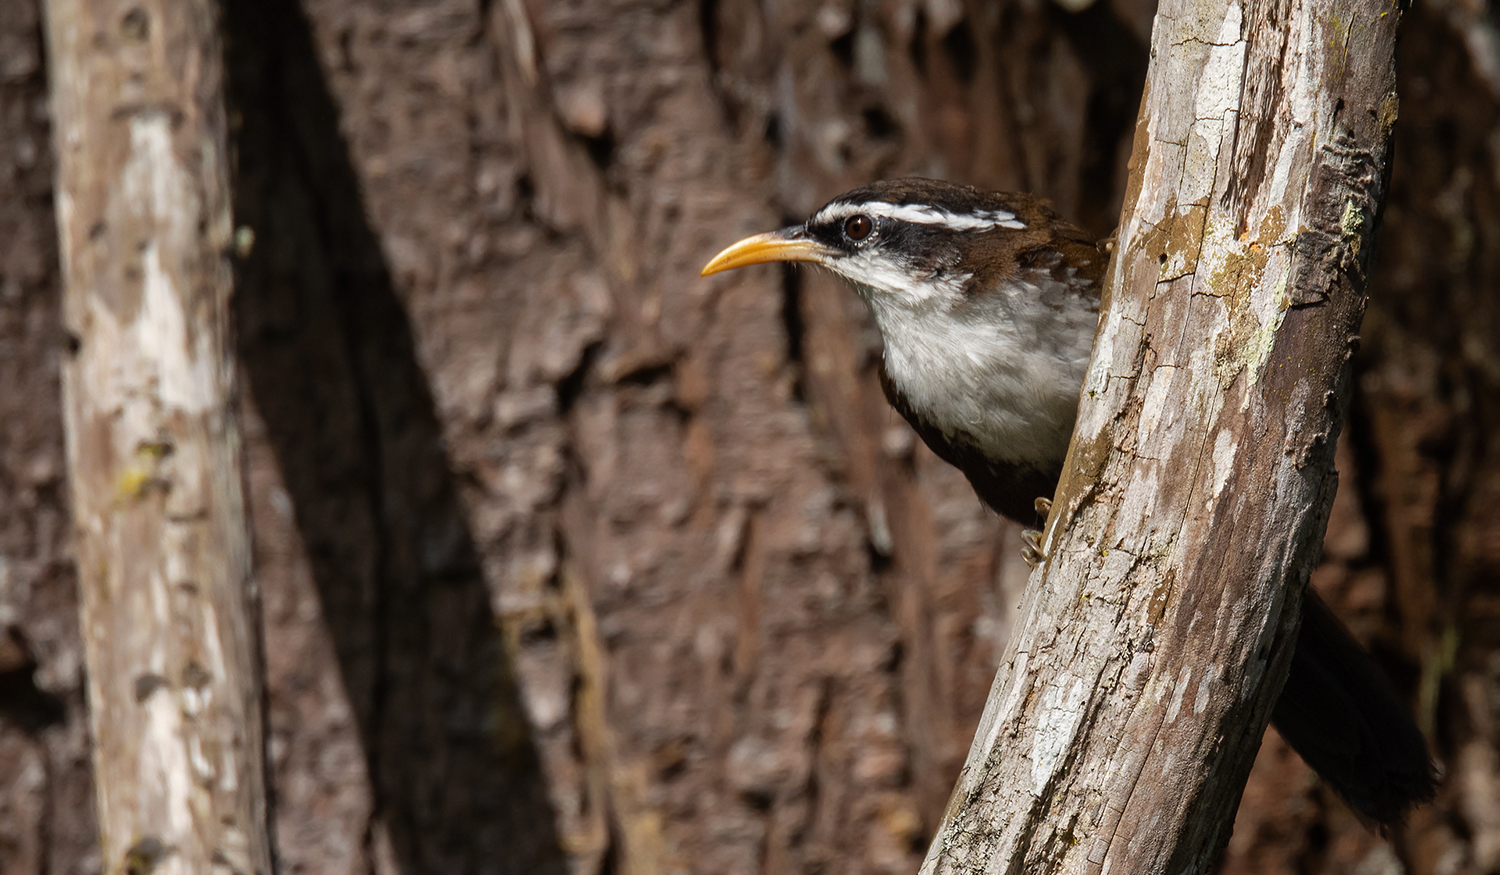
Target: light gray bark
pixel 153 443
pixel 1132 699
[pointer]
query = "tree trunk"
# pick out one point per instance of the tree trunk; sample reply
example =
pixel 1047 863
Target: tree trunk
pixel 1121 728
pixel 153 441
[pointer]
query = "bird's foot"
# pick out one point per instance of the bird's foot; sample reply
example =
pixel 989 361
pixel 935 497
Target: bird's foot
pixel 1031 550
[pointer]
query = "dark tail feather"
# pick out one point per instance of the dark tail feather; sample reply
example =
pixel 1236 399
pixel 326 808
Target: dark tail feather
pixel 1340 715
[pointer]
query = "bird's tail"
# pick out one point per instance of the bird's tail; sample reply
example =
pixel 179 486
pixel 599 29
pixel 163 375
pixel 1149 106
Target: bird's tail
pixel 1339 714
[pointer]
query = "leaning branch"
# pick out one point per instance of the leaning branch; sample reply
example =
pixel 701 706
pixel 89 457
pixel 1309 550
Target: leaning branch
pixel 1132 699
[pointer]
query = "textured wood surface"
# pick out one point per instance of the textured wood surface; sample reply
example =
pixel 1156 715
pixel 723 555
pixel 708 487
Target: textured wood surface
pixel 1132 700
pixel 163 551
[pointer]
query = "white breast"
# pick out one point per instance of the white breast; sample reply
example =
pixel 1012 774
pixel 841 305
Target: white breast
pixel 1005 369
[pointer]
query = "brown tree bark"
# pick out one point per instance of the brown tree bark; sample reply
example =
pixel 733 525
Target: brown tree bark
pixel 47 821
pixel 432 363
pixel 1132 700
pixel 163 550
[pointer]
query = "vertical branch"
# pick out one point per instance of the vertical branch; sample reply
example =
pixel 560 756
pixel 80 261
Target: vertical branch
pixel 1132 699
pixel 153 442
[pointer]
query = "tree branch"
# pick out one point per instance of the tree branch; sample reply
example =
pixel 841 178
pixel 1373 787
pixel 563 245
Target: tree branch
pixel 153 439
pixel 1131 701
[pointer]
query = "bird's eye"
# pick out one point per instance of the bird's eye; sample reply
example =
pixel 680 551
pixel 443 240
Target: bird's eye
pixel 858 227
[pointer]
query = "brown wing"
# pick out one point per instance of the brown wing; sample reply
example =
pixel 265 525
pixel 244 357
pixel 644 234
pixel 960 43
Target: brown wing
pixel 1068 253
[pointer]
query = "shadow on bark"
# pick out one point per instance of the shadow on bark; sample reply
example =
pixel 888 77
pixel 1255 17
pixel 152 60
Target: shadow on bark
pixel 328 353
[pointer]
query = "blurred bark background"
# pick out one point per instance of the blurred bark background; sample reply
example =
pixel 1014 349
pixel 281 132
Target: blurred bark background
pixel 571 560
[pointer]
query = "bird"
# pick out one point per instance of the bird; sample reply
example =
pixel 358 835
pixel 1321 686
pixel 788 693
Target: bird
pixel 986 304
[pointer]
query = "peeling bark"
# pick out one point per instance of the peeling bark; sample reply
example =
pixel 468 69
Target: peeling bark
pixel 152 437
pixel 1130 704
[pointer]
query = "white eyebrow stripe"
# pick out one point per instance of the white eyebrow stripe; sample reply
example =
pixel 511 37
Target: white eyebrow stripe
pixel 924 215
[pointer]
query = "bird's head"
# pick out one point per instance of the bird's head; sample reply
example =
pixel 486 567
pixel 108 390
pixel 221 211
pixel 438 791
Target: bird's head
pixel 923 244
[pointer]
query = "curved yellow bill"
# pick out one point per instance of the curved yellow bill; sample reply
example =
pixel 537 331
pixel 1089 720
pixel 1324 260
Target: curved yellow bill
pixel 788 244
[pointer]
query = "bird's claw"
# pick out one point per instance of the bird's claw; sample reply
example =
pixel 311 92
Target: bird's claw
pixel 1031 550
